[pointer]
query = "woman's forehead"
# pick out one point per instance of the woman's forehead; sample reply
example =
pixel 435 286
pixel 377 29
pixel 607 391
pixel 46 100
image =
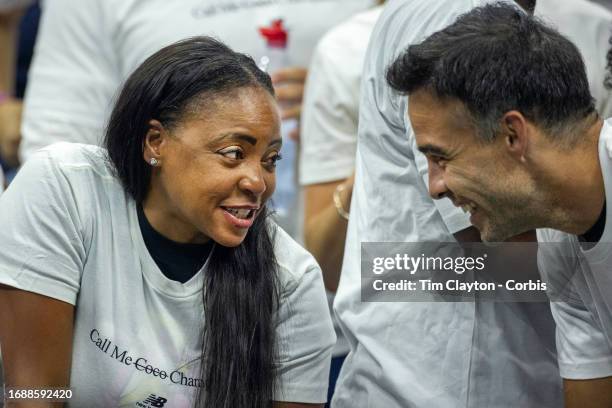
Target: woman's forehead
pixel 244 103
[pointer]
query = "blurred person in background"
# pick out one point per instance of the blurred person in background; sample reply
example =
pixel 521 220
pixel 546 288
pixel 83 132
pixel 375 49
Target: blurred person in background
pixel 589 26
pixel 149 271
pixel 11 12
pixel 18 28
pixel 424 354
pixel 327 155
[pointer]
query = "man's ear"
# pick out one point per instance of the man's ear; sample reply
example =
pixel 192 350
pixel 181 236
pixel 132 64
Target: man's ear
pixel 515 131
pixel 153 142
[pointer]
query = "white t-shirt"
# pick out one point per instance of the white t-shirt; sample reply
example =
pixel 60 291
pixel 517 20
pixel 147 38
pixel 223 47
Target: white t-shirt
pixel 583 278
pixel 330 111
pixel 589 26
pixel 606 3
pixel 439 355
pixel 87 48
pixel 69 231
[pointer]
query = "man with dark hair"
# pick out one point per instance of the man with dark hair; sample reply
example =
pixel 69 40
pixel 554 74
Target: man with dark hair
pixel 425 354
pixel 500 105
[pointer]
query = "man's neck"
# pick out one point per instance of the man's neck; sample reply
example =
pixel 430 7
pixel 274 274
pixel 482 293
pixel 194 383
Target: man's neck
pixel 594 234
pixel 579 195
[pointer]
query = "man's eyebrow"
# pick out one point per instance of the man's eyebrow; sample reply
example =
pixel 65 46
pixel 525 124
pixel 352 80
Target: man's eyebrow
pixel 429 149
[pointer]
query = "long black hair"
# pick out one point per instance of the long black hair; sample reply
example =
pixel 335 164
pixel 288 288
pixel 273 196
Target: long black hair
pixel 241 283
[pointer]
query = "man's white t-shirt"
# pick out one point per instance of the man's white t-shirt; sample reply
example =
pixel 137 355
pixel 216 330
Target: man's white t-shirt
pixel 582 282
pixel 85 49
pixel 330 111
pixel 425 354
pixel 589 26
pixel 70 232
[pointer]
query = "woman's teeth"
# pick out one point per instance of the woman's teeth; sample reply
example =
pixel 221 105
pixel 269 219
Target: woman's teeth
pixel 241 212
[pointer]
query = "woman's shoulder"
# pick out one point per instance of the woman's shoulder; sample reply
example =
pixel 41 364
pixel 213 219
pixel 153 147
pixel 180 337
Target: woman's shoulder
pixel 64 155
pixel 293 260
pixel 82 173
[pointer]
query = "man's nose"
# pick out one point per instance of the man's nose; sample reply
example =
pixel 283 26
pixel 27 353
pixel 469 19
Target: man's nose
pixel 437 185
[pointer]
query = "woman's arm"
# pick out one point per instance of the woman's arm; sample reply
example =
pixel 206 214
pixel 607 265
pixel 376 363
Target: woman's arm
pixel 295 405
pixel 36 339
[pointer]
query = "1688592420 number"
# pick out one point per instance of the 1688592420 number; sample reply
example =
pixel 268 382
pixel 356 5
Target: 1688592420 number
pixel 48 394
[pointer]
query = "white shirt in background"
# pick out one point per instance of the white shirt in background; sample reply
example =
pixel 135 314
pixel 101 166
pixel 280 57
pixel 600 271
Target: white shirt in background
pixel 87 48
pixel 589 26
pixel 425 354
pixel 330 112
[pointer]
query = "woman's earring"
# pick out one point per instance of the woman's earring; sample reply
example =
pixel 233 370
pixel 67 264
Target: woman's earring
pixel 153 162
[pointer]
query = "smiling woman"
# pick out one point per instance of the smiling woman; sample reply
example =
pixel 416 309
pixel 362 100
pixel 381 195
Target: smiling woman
pixel 152 264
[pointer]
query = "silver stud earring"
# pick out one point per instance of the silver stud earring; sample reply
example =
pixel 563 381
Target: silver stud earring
pixel 153 162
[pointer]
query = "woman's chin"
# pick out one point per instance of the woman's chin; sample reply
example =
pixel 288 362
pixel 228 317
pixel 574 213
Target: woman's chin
pixel 229 239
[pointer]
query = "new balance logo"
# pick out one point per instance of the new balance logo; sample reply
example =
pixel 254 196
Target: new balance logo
pixel 155 401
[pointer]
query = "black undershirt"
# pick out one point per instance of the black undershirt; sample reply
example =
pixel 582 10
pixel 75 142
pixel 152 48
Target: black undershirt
pixel 593 235
pixel 177 261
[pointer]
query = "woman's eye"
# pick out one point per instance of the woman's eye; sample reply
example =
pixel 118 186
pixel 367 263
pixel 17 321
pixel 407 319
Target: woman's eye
pixel 233 153
pixel 272 160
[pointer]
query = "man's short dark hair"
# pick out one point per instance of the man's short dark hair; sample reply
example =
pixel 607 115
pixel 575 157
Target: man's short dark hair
pixel 608 79
pixel 528 5
pixel 495 59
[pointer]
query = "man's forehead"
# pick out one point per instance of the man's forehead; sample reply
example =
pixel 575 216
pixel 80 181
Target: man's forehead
pixel 425 102
pixel 437 122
